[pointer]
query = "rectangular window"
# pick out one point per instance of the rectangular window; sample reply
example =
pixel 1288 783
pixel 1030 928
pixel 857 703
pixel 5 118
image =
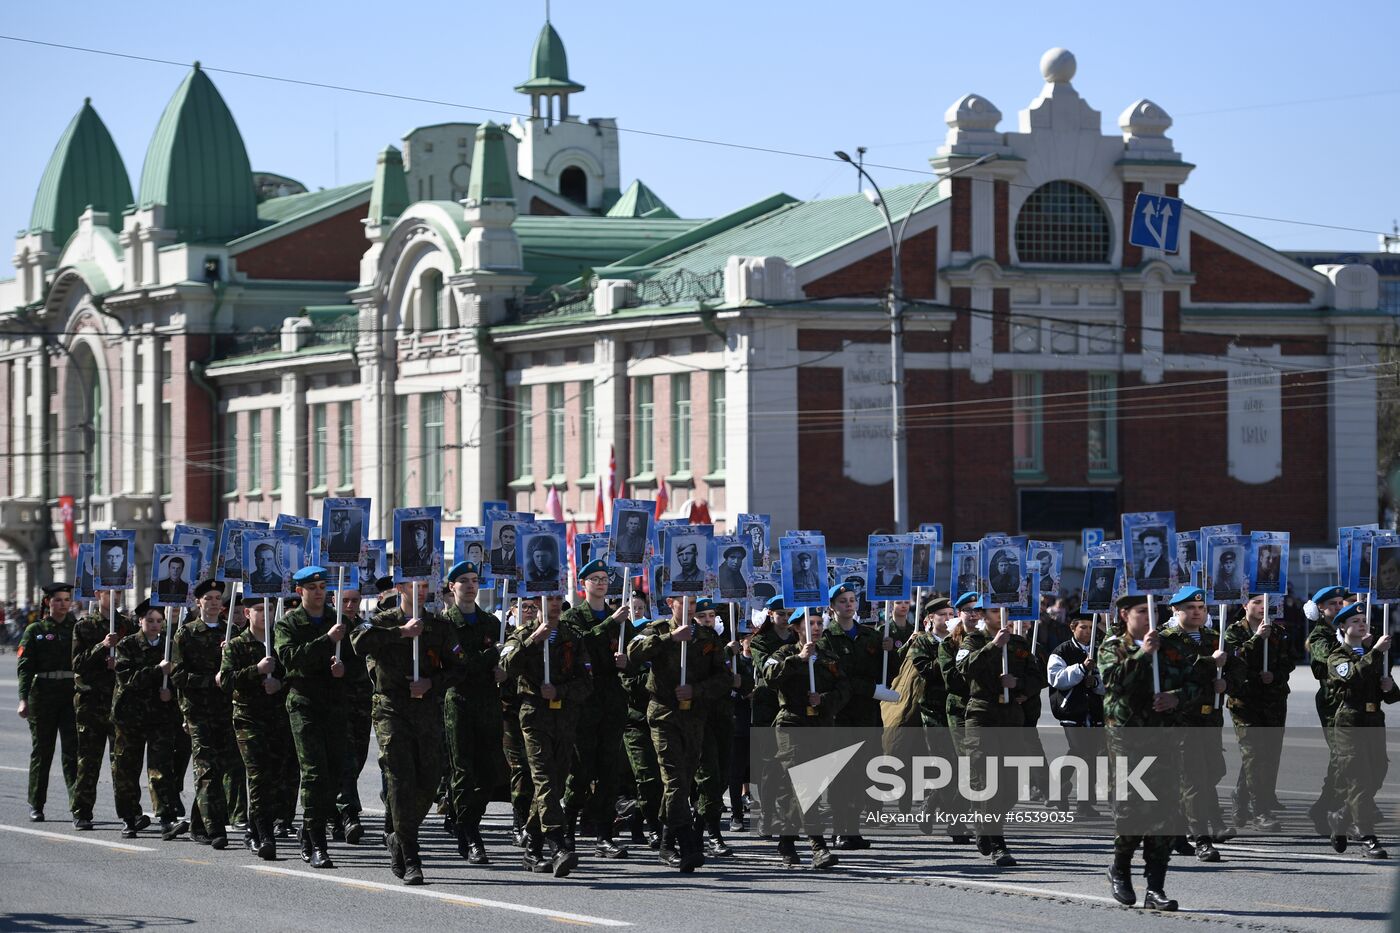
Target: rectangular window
pixel 401 417
pixel 556 430
pixel 255 450
pixel 642 416
pixel 524 433
pixel 347 444
pixel 231 453
pixel 680 423
pixel 585 429
pixel 276 449
pixel 318 447
pixel 1103 423
pixel 1025 424
pixel 717 422
pixel 433 439
pixel 163 458
pixel 141 444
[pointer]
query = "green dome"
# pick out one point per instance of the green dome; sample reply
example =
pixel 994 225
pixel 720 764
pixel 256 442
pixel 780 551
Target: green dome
pixel 198 167
pixel 549 66
pixel 85 169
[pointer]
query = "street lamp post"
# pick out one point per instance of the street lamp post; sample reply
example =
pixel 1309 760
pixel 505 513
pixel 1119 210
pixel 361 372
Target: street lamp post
pixel 895 299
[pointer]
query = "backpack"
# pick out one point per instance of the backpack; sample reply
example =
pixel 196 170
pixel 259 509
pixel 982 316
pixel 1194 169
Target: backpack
pixel 910 685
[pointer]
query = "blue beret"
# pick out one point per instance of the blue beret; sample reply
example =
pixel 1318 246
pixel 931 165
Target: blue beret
pixel 1187 594
pixel 592 567
pixel 704 604
pixel 775 602
pixel 1346 615
pixel 971 596
pixel 838 589
pixel 1328 592
pixel 309 575
pixel 459 568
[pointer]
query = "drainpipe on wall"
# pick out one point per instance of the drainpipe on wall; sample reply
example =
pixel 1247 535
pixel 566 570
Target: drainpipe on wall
pixel 198 370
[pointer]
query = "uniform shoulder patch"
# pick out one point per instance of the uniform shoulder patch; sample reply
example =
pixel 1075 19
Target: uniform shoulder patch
pixel 1343 668
pixel 963 653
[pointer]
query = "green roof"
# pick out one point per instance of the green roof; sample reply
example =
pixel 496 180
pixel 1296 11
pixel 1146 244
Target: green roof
pixel 490 177
pixel 640 201
pixel 292 206
pixel 198 168
pixel 798 231
pixel 562 249
pixel 549 66
pixel 390 196
pixel 85 169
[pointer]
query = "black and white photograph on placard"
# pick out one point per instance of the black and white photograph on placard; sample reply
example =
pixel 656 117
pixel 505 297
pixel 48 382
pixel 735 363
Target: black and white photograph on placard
pixel 468 543
pixel 344 527
pixel 964 571
pixel 1100 588
pixel 269 561
pixel 1226 563
pixel 630 531
pixel 172 574
pixel 416 540
pixel 543 570
pixel 204 541
pixel 803 565
pixel 688 559
pixel 86 586
pixel 116 566
pixel 1148 541
pixel 230 566
pixel 503 541
pixel 735 573
pixel 1385 564
pixel 1047 559
pixel 754 527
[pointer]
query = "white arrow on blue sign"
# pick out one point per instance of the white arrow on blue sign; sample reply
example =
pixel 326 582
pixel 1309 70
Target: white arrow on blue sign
pixel 1156 222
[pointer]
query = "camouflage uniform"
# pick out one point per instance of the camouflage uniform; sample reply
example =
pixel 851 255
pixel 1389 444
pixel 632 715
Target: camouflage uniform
pixel 712 777
pixel 1202 755
pixel 1134 731
pixel 145 726
pixel 92 702
pixel 316 708
pixel 1322 640
pixel 1259 711
pixel 549 734
pixel 44 666
pixel 764 705
pixel 522 788
pixel 263 732
pixel 592 794
pixel 641 753
pixel 472 717
pixel 409 730
pixel 209 714
pixel 359 731
pixel 788 676
pixel 1358 731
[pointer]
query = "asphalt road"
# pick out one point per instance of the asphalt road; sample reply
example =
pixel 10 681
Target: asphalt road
pixel 57 879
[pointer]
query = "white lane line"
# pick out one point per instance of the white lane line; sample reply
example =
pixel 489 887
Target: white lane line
pixel 451 898
pixel 1274 854
pixel 65 837
pixel 13 768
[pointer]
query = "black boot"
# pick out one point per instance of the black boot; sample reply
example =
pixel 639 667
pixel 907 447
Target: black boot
pixel 396 860
pixel 1182 847
pixel 787 851
pixel 1337 823
pixel 823 859
pixel 1374 849
pixel 565 858
pixel 666 849
pixel 320 852
pixel 1001 855
pixel 534 859
pixel 1120 876
pixel 606 848
pixel 170 829
pixel 354 830
pixel 129 831
pixel 637 826
pixel 692 854
pixel 1156 896
pixel 570 827
pixel 714 839
pixel 519 815
pixel 412 865
pixel 1205 851
pixel 305 839
pixel 470 845
pixel 267 842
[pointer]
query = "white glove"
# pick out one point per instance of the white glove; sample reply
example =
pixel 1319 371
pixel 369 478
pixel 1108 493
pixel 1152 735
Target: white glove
pixel 886 695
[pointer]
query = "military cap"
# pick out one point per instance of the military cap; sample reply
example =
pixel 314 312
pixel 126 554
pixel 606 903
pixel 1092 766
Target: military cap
pixel 592 567
pixel 775 603
pixel 935 604
pixel 248 600
pixel 1347 614
pixel 307 575
pixel 1188 594
pixel 460 568
pixel 963 601
pixel 704 604
pixel 1329 592
pixel 146 607
pixel 838 589
pixel 384 584
pixel 1129 601
pixel 206 587
pixel 55 588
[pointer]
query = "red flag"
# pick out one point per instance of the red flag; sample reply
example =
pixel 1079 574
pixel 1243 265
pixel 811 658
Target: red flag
pixel 66 505
pixel 700 512
pixel 663 501
pixel 569 533
pixel 553 506
pixel 600 523
pixel 611 488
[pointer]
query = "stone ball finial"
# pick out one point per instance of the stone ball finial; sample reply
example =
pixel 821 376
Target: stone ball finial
pixel 1144 118
pixel 972 112
pixel 1058 66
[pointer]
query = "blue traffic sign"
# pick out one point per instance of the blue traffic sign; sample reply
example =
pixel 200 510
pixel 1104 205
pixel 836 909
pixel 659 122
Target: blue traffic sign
pixel 1156 222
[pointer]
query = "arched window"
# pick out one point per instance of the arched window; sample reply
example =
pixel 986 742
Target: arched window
pixel 1063 222
pixel 573 184
pixel 429 301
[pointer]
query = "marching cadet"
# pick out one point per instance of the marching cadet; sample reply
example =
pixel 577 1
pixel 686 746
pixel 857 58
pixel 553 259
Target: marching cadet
pixel 1322 639
pixel 922 652
pixel 741 712
pixel 408 713
pixel 773 634
pixel 473 711
pixel 146 720
pixel 994 706
pixel 304 640
pixel 1029 740
pixel 793 670
pixel 1134 714
pixel 254 680
pixel 1360 682
pixel 1259 710
pixel 1076 701
pixel 712 777
pixel 359 708
pixel 636 740
pixel 45 669
pixel 902 628
pixel 553 688
pixel 676 714
pixel 970 619
pixel 859 647
pixel 591 798
pixel 1202 754
pixel 522 787
pixel 95 681
pixel 208 710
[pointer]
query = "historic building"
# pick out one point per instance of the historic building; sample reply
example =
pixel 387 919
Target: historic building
pixel 492 317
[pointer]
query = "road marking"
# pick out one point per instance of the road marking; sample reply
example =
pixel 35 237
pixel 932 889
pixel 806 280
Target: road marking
pixel 1227 847
pixel 64 837
pixel 450 898
pixel 12 768
pixel 195 861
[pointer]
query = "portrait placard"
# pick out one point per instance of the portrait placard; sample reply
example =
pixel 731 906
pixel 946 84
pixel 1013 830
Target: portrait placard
pixel 734 576
pixel 345 524
pixel 964 568
pixel 270 558
pixel 803 562
pixel 1359 559
pixel 1101 585
pixel 1047 558
pixel 172 574
pixel 417 539
pixel 630 531
pixel 469 543
pixel 374 562
pixel 503 541
pixel 889 560
pixel 756 527
pixel 1002 561
pixel 203 540
pixel 1147 541
pixel 542 570
pixel 924 562
pixel 690 560
pixel 1385 568
pixel 230 567
pixel 1268 562
pixel 1227 558
pixel 86 587
pixel 116 560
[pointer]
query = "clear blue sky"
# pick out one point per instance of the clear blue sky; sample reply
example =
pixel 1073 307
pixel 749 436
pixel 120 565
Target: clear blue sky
pixel 1287 109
